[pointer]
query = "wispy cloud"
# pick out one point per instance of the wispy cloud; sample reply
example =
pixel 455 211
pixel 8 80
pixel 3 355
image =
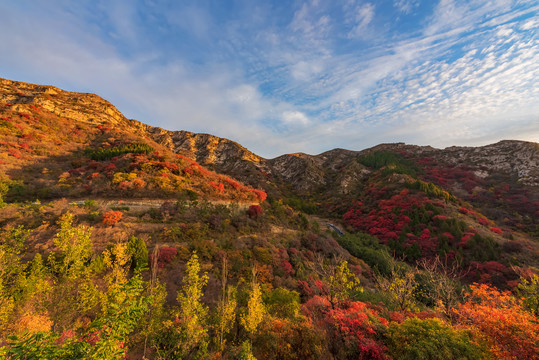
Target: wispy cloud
pixel 361 16
pixel 304 77
pixel 406 6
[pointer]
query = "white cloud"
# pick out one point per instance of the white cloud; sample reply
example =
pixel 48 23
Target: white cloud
pixel 469 75
pixel 361 18
pixel 530 24
pixel 406 6
pixel 295 118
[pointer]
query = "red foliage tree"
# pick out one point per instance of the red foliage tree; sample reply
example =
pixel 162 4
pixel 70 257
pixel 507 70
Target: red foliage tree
pixel 164 256
pixel 254 211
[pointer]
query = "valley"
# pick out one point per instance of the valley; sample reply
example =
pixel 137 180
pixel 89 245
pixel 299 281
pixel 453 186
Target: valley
pixel 122 240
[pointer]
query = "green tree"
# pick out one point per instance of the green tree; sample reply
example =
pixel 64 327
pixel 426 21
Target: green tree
pixel 37 285
pixel 341 283
pixel 4 188
pixel 430 339
pixel 75 247
pixel 104 339
pixel 282 303
pixel 139 252
pixel 11 270
pixel 528 291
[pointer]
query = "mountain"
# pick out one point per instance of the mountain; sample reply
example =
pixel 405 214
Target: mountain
pixel 82 145
pixel 108 225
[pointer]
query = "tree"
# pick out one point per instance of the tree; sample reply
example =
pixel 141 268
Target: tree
pixel 496 318
pixel 339 283
pixel 256 310
pixel 139 252
pixel 75 246
pixel 443 283
pixel 226 310
pixel 430 339
pixel 4 188
pixel 11 270
pixel 528 290
pixel 192 313
pixel 400 288
pixel 105 338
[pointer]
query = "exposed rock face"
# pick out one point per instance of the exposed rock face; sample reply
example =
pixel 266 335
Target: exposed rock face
pixel 336 169
pixel 518 158
pixel 71 105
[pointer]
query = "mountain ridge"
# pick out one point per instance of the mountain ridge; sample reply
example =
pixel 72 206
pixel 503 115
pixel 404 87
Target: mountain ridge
pixel 88 196
pixel 300 173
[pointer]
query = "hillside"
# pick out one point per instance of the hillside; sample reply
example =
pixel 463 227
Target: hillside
pixel 123 240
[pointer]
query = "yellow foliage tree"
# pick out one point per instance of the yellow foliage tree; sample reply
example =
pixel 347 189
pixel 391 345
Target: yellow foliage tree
pixel 192 314
pixel 400 288
pixel 342 283
pixel 75 246
pixel 226 311
pixel 255 308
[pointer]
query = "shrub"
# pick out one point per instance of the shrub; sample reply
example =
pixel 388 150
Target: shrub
pixel 112 217
pixel 165 256
pixel 355 330
pixel 260 195
pixel 367 248
pixel 254 211
pixel 105 154
pixel 497 318
pixel 282 303
pixel 430 339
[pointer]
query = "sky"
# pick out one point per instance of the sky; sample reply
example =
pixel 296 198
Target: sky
pixel 284 76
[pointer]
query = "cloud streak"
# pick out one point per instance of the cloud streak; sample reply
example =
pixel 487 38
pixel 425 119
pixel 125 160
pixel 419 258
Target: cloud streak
pixel 308 77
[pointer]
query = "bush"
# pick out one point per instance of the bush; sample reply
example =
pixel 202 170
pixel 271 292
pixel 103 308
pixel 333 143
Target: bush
pixel 105 154
pixel 254 211
pixel 164 256
pixel 282 303
pixel 430 339
pixel 112 217
pixel 367 248
pixel 482 249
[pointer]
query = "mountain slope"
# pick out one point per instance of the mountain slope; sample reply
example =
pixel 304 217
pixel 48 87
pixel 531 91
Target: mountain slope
pixel 81 145
pixel 114 233
pixel 500 179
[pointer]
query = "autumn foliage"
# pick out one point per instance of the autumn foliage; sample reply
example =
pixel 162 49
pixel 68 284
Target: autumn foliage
pixel 496 318
pixel 112 217
pixel 254 211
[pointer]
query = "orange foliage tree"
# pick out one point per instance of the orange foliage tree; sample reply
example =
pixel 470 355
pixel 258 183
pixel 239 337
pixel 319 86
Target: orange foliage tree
pixel 112 217
pixel 496 318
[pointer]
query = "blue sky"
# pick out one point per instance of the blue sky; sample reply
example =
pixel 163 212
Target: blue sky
pixel 291 76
